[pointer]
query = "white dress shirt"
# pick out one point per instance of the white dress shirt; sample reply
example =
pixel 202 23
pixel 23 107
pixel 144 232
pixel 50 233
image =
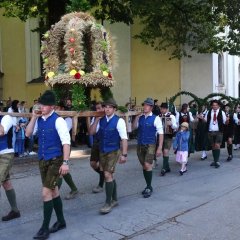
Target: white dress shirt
pixel 121 127
pixel 61 127
pixel 7 123
pixel 213 126
pixel 235 118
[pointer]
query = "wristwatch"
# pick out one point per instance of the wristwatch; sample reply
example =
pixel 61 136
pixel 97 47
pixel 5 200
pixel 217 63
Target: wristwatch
pixel 66 162
pixel 124 155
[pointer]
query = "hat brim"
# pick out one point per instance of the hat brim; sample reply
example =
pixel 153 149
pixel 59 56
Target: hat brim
pixel 147 103
pixel 109 104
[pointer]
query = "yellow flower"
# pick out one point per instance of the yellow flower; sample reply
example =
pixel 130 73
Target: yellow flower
pixel 105 73
pixel 73 72
pixel 82 72
pixel 50 74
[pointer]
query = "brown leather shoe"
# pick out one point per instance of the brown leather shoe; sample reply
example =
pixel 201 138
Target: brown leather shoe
pixel 11 215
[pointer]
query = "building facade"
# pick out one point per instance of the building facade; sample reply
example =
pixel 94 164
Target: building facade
pixel 139 72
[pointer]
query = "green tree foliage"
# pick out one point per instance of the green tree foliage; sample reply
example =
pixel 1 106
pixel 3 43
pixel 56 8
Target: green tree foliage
pixel 176 26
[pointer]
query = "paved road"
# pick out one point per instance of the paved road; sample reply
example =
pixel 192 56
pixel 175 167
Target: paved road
pixel 201 205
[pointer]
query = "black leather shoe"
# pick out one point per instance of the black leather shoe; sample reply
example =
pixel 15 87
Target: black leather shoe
pixel 42 234
pixel 203 158
pixel 11 215
pixel 164 171
pixel 148 193
pixel 229 158
pixel 182 172
pixel 212 164
pixel 217 165
pixel 57 226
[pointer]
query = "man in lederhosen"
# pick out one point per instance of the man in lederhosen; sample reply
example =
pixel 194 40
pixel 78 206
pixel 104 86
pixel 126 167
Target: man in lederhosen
pixel 148 125
pixel 236 117
pixel 228 131
pixel 95 155
pixel 169 127
pixel 215 119
pixel 53 153
pixel 111 131
pixel 6 161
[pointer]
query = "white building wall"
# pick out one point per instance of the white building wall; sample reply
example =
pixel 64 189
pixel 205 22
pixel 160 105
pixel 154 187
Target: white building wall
pixel 122 71
pixel 197 75
pixel 200 75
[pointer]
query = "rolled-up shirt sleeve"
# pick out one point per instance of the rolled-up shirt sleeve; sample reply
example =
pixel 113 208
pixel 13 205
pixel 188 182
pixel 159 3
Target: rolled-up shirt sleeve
pixel 158 125
pixel 7 123
pixel 174 122
pixel 122 129
pixel 62 129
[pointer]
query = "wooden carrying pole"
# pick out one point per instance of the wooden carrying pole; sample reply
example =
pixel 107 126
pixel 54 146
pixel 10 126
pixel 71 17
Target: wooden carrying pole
pixel 75 115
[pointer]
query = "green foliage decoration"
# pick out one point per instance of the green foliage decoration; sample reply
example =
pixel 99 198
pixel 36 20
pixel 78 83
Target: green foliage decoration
pixel 106 93
pixel 122 109
pixel 78 97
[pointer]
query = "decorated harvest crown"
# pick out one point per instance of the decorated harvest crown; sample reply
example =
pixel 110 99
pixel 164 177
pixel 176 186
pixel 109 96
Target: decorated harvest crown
pixel 77 50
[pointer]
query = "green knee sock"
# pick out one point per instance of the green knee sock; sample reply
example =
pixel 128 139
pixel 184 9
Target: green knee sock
pixel 216 154
pixel 114 195
pixel 59 183
pixel 69 181
pixel 165 163
pixel 144 174
pixel 11 196
pixel 229 148
pixel 57 205
pixel 101 178
pixel 47 213
pixel 109 191
pixel 148 178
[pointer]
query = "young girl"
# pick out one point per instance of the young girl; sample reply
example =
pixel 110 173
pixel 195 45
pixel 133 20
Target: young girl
pixel 180 145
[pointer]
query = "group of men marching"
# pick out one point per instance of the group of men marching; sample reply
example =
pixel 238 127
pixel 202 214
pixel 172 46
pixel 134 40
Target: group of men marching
pixel 110 145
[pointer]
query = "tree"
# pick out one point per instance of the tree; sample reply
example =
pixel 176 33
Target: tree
pixel 207 26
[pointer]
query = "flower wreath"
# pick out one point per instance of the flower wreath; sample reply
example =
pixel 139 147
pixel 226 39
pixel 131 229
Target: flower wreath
pixel 77 50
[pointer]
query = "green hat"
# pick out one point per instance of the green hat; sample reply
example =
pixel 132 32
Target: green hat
pixel 48 98
pixel 110 102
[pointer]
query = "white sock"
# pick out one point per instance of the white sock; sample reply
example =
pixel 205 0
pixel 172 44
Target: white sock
pixel 204 154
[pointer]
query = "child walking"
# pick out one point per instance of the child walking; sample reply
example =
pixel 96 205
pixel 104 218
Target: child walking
pixel 180 146
pixel 20 137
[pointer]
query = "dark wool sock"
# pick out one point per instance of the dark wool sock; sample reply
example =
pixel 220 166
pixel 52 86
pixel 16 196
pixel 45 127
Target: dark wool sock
pixel 165 163
pixel 69 181
pixel 114 195
pixel 101 179
pixel 59 183
pixel 109 191
pixel 229 148
pixel 145 175
pixel 11 196
pixel 149 179
pixel 214 155
pixel 217 154
pixel 58 207
pixel 47 214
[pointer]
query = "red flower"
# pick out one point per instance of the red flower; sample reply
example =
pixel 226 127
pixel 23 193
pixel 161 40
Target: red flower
pixel 72 40
pixel 77 75
pixel 109 75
